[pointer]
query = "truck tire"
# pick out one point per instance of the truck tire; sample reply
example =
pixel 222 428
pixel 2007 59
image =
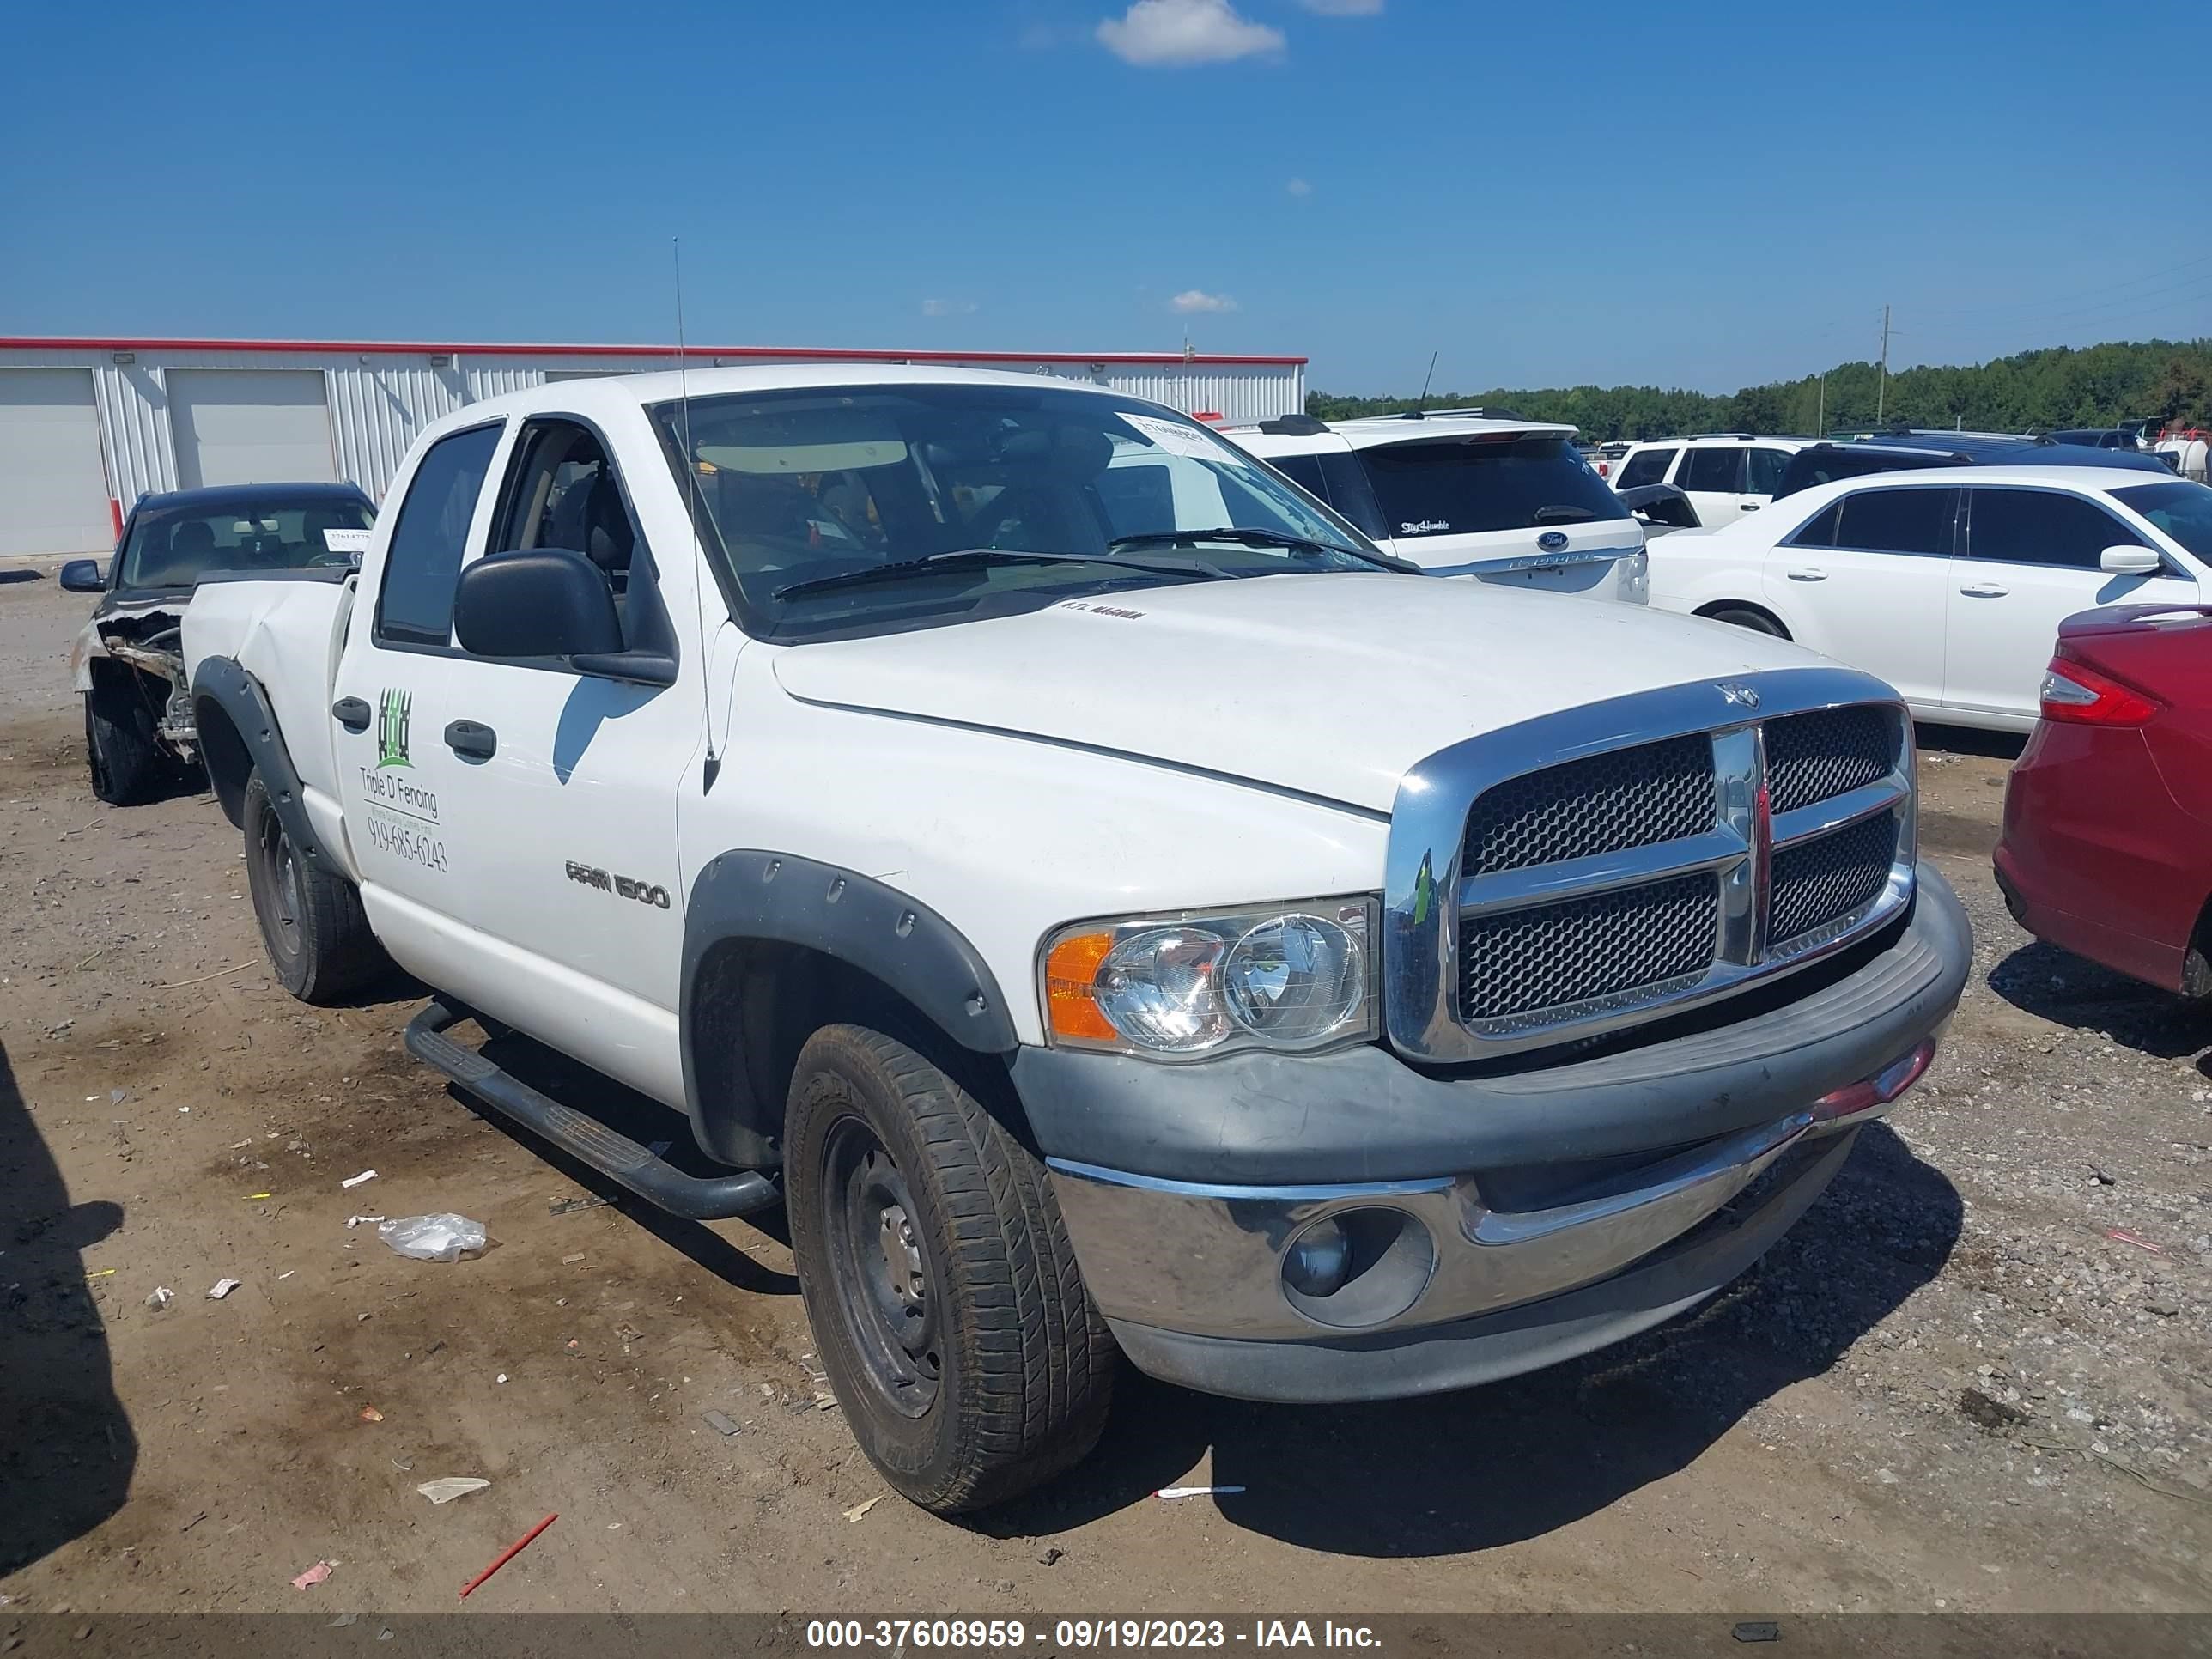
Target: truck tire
pixel 955 1328
pixel 119 741
pixel 313 926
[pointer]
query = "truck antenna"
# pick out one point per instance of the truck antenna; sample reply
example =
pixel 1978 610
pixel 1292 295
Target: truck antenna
pixel 1426 379
pixel 712 767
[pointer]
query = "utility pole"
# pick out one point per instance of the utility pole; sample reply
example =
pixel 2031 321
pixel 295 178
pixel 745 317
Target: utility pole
pixel 1881 382
pixel 1821 422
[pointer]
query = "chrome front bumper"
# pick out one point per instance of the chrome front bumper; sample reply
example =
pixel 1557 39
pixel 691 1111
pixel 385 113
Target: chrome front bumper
pixel 1209 1260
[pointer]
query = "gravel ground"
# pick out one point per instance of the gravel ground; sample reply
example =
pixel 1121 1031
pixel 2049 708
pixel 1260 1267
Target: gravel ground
pixel 1974 1378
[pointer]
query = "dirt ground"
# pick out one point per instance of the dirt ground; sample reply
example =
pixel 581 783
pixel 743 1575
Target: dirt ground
pixel 1975 1377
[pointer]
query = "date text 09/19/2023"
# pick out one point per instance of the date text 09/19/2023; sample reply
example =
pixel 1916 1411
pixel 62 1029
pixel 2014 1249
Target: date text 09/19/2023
pixel 1063 1635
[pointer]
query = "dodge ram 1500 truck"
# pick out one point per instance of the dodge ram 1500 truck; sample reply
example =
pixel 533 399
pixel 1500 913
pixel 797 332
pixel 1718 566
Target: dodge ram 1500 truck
pixel 1111 906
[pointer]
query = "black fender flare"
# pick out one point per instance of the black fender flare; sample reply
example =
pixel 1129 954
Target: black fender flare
pixel 750 896
pixel 221 682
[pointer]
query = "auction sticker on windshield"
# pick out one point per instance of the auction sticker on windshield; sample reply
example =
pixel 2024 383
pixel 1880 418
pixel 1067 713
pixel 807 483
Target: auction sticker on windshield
pixel 340 540
pixel 1176 437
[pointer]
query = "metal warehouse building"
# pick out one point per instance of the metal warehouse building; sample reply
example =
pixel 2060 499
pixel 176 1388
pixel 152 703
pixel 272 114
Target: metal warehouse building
pixel 87 426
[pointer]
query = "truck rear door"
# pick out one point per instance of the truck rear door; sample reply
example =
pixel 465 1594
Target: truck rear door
pixel 395 778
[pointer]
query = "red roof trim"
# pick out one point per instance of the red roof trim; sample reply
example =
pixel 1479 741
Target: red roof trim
pixel 507 349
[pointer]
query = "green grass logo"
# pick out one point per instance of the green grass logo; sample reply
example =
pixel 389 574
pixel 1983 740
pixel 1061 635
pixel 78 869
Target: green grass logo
pixel 394 709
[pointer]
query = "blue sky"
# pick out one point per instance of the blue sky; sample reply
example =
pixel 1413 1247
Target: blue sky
pixel 1697 195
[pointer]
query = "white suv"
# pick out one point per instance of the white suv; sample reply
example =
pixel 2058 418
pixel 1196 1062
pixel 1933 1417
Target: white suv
pixel 1724 474
pixel 1466 492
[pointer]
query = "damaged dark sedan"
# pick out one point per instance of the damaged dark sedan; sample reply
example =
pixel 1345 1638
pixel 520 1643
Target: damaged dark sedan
pixel 137 716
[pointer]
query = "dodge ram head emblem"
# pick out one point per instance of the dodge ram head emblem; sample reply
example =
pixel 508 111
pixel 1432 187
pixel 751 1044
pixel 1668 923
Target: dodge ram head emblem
pixel 1736 691
pixel 1551 541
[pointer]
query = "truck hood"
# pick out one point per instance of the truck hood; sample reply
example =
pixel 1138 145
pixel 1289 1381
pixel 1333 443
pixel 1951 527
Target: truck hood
pixel 1332 685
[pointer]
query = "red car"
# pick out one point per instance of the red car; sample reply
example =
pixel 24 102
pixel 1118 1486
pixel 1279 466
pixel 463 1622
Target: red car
pixel 2107 846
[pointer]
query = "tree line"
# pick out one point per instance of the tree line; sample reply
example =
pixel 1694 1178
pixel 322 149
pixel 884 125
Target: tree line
pixel 2061 387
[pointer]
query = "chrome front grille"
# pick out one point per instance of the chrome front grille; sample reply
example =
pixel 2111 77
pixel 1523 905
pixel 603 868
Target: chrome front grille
pixel 1520 962
pixel 1606 803
pixel 1605 864
pixel 1828 880
pixel 1829 752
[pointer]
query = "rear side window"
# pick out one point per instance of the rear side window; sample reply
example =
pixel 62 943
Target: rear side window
pixel 424 559
pixel 1349 493
pixel 1303 471
pixel 1822 531
pixel 1898 521
pixel 1646 466
pixel 1720 469
pixel 2042 526
pixel 1764 468
pixel 1460 487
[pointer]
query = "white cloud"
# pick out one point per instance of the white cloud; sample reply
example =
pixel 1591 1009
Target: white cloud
pixel 1156 33
pixel 1197 299
pixel 1343 8
pixel 1298 187
pixel 947 307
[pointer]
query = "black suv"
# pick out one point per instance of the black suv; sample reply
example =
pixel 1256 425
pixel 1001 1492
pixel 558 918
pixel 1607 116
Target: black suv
pixel 1824 463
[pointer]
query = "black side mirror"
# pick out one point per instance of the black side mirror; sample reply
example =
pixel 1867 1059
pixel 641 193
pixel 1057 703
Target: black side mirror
pixel 547 602
pixel 83 576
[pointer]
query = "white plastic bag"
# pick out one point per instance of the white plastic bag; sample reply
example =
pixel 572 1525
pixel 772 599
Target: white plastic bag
pixel 433 1237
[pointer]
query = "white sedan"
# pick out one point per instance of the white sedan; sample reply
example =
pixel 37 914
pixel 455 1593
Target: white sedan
pixel 1949 583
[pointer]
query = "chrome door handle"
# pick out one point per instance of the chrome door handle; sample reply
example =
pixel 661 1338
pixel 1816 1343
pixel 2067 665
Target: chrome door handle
pixel 1985 589
pixel 1809 573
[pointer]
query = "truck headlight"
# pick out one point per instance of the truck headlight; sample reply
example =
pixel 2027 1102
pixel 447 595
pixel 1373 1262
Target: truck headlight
pixel 1287 977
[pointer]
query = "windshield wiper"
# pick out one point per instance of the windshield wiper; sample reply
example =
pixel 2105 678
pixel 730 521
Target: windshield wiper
pixel 965 558
pixel 1561 515
pixel 1248 537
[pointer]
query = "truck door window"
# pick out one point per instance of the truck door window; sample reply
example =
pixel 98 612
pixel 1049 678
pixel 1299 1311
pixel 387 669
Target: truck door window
pixel 562 492
pixel 423 560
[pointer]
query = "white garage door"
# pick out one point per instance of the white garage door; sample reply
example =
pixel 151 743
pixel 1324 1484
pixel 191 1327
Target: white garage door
pixel 249 426
pixel 53 487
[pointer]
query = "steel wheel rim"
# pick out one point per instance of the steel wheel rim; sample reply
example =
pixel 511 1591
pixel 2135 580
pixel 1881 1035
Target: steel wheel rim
pixel 887 1291
pixel 281 877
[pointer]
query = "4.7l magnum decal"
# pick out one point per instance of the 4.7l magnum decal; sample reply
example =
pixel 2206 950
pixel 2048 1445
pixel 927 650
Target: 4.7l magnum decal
pixel 623 887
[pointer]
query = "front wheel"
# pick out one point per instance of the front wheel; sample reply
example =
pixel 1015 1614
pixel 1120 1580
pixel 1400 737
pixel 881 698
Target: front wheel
pixel 936 1270
pixel 311 923
pixel 119 741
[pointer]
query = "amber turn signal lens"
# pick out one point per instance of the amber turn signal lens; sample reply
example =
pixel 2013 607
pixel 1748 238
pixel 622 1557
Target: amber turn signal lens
pixel 1070 970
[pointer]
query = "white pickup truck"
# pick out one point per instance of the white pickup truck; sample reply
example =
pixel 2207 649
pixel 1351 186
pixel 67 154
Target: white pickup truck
pixel 1111 921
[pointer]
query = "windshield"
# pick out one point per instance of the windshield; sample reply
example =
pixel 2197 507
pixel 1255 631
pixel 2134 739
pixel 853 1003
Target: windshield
pixel 175 547
pixel 1458 487
pixel 854 507
pixel 2181 510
